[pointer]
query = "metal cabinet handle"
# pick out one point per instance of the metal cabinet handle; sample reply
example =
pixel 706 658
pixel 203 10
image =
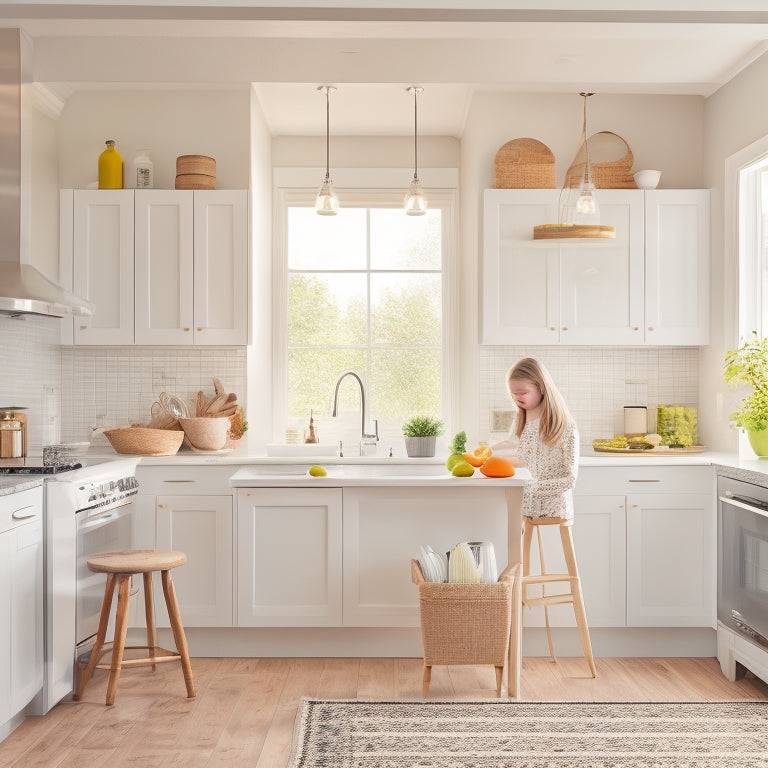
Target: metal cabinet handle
pixel 645 481
pixel 24 513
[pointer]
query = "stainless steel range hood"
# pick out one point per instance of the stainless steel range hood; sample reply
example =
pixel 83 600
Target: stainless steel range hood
pixel 23 289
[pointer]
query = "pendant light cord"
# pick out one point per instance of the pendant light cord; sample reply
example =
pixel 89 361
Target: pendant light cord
pixel 327 134
pixel 588 168
pixel 415 133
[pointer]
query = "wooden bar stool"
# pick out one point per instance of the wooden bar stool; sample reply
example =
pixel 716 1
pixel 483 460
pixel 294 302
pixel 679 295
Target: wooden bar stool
pixel 573 595
pixel 119 567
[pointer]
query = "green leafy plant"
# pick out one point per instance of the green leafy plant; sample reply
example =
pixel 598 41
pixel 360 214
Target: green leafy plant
pixel 423 426
pixel 748 364
pixel 459 444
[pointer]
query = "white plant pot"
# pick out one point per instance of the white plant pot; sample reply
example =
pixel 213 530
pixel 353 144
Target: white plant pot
pixel 420 446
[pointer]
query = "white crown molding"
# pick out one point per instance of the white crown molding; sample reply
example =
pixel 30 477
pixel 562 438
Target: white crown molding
pixel 44 99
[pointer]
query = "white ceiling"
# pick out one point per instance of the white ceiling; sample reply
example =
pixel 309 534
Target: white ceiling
pixel 373 61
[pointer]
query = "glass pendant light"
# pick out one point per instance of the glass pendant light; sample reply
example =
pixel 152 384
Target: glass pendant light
pixel 587 210
pixel 415 204
pixel 327 204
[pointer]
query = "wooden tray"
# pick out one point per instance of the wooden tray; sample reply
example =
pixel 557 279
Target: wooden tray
pixel 660 451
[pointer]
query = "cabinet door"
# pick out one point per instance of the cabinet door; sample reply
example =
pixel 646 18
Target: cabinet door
pixel 103 264
pixel 6 540
pixel 677 266
pixel 520 276
pixel 26 612
pixel 164 266
pixel 383 529
pixel 289 557
pixel 599 537
pixel 221 267
pixel 601 282
pixel 671 560
pixel 200 526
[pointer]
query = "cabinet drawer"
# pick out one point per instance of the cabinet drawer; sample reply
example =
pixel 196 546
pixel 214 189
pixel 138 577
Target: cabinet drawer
pixel 651 479
pixel 170 480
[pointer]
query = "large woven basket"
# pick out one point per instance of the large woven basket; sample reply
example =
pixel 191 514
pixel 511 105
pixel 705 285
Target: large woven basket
pixel 524 164
pixel 464 623
pixel 614 173
pixel 143 441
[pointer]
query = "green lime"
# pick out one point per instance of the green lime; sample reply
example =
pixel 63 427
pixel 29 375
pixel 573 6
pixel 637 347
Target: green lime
pixel 463 469
pixel 317 471
pixel 453 460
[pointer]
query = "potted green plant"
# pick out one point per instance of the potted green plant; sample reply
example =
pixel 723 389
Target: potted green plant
pixel 421 433
pixel 748 364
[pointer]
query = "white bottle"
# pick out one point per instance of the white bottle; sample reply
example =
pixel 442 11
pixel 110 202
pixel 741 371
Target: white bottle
pixel 143 170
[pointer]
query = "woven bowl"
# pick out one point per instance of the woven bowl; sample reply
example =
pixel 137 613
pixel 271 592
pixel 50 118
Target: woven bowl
pixel 206 433
pixel 144 441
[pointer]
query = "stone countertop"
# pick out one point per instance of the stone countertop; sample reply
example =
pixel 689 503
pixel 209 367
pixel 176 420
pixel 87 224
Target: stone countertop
pixel 14 483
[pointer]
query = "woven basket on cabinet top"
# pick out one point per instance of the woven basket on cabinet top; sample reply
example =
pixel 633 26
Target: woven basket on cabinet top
pixel 524 164
pixel 608 174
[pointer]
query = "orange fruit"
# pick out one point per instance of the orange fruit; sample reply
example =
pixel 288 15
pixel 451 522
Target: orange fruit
pixel 498 466
pixel 483 451
pixel 475 461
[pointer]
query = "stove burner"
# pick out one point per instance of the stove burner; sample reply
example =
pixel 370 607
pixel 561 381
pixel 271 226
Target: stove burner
pixel 38 470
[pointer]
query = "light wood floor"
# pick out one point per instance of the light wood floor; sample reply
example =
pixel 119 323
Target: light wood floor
pixel 245 708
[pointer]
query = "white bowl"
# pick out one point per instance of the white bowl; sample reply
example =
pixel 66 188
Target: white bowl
pixel 206 433
pixel 647 179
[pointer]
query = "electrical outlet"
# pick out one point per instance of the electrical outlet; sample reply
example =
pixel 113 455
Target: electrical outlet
pixel 501 421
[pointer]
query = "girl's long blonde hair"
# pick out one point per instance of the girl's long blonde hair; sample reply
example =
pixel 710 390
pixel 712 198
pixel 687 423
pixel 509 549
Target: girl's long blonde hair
pixel 555 415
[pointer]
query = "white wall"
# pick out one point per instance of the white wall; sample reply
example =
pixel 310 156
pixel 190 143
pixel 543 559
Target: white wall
pixel 167 122
pixel 735 116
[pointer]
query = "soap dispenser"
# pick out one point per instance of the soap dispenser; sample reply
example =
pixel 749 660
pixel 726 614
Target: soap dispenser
pixel 311 436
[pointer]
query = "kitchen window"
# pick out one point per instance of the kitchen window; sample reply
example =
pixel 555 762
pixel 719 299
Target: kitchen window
pixel 752 165
pixel 367 290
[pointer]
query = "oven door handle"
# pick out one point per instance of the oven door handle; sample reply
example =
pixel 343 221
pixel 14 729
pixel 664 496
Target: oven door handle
pixel 106 516
pixel 737 502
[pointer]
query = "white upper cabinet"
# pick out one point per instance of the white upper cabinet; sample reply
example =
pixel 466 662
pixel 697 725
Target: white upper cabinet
pixel 221 267
pixel 99 256
pixel 165 267
pixel 631 290
pixel 677 266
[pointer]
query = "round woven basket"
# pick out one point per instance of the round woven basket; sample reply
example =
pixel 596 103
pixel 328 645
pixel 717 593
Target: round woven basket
pixel 524 164
pixel 144 441
pixel 195 164
pixel 195 181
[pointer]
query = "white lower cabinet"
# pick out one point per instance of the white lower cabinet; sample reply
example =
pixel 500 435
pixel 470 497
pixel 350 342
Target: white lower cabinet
pixel 201 527
pixel 671 560
pixel 21 601
pixel 383 528
pixel 289 557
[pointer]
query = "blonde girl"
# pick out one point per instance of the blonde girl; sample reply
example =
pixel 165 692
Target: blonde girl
pixel 544 439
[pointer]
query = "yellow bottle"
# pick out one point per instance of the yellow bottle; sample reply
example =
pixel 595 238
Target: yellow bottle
pixel 110 167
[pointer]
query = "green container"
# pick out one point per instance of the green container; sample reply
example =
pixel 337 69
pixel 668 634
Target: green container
pixel 758 439
pixel 677 425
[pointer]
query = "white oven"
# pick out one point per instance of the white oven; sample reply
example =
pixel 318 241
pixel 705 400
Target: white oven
pixel 87 511
pixel 742 584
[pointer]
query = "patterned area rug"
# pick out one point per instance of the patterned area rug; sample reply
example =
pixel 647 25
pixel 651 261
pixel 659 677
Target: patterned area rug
pixel 510 734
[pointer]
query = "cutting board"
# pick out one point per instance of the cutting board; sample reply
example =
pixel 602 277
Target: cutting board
pixel 660 451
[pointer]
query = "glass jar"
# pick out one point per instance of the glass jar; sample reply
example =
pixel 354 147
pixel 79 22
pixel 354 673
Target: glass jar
pixel 110 167
pixel 10 436
pixel 143 170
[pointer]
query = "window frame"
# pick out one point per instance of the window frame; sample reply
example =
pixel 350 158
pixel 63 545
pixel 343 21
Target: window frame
pixel 365 187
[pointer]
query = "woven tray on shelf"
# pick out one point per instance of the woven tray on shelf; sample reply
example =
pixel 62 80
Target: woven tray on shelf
pixel 606 173
pixel 524 164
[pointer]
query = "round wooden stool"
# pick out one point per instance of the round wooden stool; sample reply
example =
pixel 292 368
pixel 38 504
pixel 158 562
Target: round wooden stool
pixel 573 595
pixel 119 567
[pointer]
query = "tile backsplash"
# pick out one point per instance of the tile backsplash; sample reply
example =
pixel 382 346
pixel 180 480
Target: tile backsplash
pixel 31 375
pixel 116 386
pixel 597 382
pixel 67 390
